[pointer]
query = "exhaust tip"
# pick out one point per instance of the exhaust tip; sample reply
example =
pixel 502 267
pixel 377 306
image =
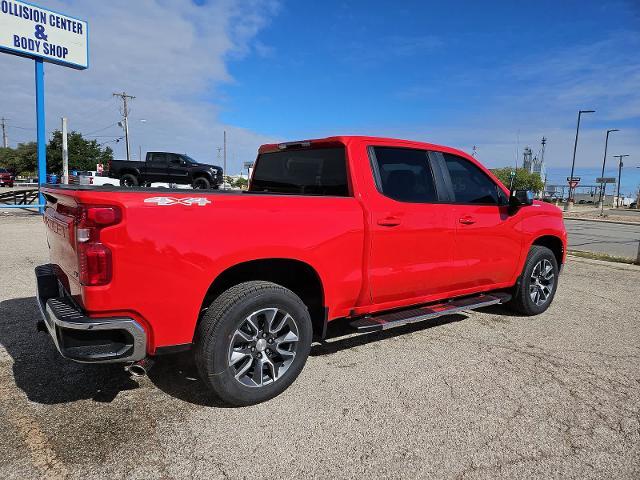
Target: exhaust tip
pixel 136 370
pixel 139 368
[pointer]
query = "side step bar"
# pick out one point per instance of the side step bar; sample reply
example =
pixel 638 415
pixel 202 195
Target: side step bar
pixel 384 321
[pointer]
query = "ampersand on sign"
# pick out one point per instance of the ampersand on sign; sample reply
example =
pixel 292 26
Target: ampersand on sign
pixel 40 32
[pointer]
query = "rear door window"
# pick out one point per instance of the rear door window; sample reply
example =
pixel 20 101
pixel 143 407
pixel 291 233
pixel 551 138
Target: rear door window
pixel 404 174
pixel 317 171
pixel 158 160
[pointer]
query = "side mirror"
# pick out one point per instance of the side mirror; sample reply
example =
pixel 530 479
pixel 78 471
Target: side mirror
pixel 521 198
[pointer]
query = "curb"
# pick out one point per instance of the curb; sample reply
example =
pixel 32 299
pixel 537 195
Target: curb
pixel 619 222
pixel 606 263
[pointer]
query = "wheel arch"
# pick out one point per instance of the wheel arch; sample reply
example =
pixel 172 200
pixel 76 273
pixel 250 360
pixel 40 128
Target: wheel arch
pixel 554 244
pixel 129 171
pixel 296 275
pixel 204 174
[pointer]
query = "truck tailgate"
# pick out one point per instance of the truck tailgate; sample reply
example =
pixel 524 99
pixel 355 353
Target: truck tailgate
pixel 60 221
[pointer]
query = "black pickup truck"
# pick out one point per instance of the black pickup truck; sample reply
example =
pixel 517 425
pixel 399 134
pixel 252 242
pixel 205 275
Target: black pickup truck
pixel 166 167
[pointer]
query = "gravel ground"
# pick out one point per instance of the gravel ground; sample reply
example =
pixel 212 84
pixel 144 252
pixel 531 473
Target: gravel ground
pixel 479 395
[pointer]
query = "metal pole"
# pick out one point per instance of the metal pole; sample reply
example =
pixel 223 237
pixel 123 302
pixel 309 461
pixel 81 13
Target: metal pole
pixel 65 153
pixel 224 167
pixel 620 165
pixel 603 186
pixel 573 162
pixel 41 135
pixel 126 131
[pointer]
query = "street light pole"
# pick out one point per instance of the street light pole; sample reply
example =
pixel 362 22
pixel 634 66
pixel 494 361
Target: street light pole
pixel 620 165
pixel 604 161
pixel 573 162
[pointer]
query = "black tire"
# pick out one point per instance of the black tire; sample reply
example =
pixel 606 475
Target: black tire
pixel 201 183
pixel 527 286
pixel 128 180
pixel 218 329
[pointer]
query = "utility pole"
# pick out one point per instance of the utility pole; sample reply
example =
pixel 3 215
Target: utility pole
pixel 65 153
pixel 140 152
pixel 125 115
pixel 620 165
pixel 224 159
pixel 5 140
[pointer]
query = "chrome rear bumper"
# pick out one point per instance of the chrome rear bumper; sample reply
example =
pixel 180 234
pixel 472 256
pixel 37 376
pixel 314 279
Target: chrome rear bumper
pixel 81 338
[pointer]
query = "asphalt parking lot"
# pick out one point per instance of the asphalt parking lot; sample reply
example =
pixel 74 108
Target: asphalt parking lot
pixel 479 395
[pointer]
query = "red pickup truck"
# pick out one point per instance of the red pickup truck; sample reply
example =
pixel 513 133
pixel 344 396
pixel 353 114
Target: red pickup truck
pixel 375 231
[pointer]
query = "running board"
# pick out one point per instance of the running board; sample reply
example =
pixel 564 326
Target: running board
pixel 403 317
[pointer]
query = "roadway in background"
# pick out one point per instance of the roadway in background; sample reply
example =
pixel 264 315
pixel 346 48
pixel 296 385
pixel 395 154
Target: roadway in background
pixel 616 239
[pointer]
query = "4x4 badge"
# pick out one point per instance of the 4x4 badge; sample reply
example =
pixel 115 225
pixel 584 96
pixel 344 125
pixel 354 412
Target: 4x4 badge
pixel 165 201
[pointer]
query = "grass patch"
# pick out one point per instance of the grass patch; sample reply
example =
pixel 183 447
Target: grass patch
pixel 602 256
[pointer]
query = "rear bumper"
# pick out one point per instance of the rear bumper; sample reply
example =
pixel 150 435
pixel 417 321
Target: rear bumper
pixel 81 338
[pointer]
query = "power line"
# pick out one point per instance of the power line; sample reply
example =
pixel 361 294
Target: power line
pixel 100 129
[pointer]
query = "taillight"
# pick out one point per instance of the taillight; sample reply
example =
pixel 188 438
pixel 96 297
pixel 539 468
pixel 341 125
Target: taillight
pixel 94 258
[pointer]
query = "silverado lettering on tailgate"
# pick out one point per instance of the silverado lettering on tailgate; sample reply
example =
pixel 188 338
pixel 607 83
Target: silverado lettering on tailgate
pixel 57 227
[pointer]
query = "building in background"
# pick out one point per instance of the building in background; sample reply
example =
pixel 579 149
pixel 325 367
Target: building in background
pixel 534 164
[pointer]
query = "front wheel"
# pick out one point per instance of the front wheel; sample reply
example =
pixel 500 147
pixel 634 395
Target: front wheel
pixel 201 183
pixel 537 285
pixel 128 180
pixel 252 342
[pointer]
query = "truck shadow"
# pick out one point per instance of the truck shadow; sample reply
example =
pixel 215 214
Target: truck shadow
pixel 47 378
pixel 39 370
pixel 341 337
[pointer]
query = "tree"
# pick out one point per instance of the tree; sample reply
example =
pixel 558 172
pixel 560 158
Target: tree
pixel 20 160
pixel 83 154
pixel 241 182
pixel 523 180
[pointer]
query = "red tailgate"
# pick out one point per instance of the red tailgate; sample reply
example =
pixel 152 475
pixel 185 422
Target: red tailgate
pixel 59 219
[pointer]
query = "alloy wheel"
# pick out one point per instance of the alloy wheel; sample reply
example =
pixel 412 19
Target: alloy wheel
pixel 263 347
pixel 542 282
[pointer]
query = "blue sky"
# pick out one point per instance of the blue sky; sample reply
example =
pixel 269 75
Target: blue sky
pixel 457 72
pixel 498 75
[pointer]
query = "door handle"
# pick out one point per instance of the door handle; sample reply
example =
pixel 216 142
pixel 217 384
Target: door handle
pixel 467 220
pixel 389 221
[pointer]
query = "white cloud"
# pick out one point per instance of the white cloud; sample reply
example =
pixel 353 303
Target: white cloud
pixel 171 54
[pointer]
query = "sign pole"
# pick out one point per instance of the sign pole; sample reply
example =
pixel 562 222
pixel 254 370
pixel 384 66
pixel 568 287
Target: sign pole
pixel 65 153
pixel 41 135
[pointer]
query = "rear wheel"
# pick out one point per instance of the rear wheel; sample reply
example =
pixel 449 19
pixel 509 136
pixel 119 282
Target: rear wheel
pixel 538 283
pixel 128 180
pixel 201 183
pixel 252 342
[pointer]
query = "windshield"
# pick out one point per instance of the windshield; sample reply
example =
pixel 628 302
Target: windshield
pixel 319 171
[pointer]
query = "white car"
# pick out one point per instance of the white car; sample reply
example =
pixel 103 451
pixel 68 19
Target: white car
pixel 88 177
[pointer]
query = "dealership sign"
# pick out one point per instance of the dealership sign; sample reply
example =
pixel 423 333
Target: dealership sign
pixel 31 31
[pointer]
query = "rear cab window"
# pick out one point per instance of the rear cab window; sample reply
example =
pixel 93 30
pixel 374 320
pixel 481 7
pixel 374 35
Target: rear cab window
pixel 302 171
